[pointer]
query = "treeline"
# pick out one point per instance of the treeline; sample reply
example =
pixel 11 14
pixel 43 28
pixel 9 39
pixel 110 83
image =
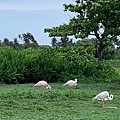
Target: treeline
pixel 25 40
pixel 54 64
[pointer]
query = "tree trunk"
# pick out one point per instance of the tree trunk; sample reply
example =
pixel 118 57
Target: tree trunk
pixel 100 56
pixel 98 53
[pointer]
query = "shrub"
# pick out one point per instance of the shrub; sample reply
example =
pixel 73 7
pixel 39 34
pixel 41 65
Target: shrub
pixel 53 65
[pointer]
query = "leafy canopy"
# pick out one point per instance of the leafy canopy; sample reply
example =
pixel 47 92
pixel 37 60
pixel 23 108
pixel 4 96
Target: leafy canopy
pixel 100 18
pixel 94 17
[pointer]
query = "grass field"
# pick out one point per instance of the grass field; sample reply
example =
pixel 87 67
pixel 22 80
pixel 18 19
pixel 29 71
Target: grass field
pixel 26 102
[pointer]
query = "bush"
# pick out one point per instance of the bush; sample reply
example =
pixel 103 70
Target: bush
pixel 53 65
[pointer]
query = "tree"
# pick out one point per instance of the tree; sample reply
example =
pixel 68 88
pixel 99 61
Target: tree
pixel 54 42
pixel 63 41
pixel 100 18
pixel 6 41
pixel 16 43
pixel 28 38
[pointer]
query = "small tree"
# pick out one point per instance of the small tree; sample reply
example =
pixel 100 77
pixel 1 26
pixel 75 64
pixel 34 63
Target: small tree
pixel 100 18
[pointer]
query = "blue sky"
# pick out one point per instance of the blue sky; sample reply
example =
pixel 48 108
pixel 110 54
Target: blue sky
pixel 22 16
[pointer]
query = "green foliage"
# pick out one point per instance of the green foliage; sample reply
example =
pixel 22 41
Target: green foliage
pixel 11 65
pixel 118 72
pixel 99 18
pixel 53 65
pixel 114 63
pixel 26 102
pixel 110 53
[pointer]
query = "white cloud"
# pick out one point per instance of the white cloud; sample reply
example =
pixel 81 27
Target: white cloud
pixel 29 6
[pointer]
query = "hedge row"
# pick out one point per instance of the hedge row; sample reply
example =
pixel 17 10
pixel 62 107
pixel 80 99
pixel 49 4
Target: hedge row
pixel 52 64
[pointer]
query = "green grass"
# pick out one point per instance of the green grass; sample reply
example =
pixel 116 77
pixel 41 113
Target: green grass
pixel 26 102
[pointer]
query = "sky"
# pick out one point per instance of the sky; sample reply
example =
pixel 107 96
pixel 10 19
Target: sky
pixel 31 16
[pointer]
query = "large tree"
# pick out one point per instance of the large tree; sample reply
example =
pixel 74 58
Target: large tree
pixel 99 18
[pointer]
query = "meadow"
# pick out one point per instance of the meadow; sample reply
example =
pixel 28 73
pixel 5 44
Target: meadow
pixel 26 102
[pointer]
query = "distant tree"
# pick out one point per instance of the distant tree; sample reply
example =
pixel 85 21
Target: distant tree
pixel 63 41
pixel 6 41
pixel 100 18
pixel 27 38
pixel 16 42
pixel 86 42
pixel 11 43
pixel 54 42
